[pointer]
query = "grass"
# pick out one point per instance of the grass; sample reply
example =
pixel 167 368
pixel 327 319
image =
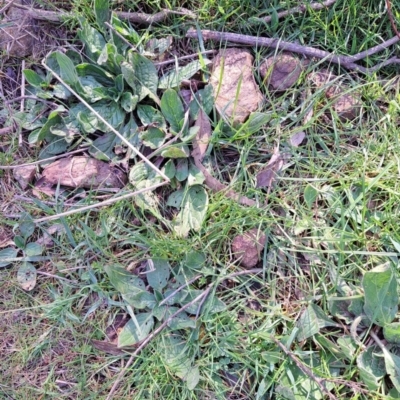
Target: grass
pixel 314 247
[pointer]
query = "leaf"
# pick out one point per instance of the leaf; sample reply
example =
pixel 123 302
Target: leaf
pixel 122 280
pixel 93 40
pixel 140 299
pixel 169 169
pixel 371 367
pixel 311 321
pixel 391 332
pixel 172 109
pixel 146 76
pixel 33 249
pixel 175 199
pixel 33 78
pixel 26 225
pixel 182 169
pixel 149 115
pixel 255 122
pixel 5 254
pixel 392 363
pixel 195 177
pixel 175 77
pixel 179 151
pixel 67 69
pixel 26 276
pixel 129 101
pixel 102 13
pixel 381 298
pixel 175 357
pixel 158 272
pixel 266 177
pixel 181 321
pixel 193 211
pixel 296 139
pixel 310 195
pixel 202 139
pixel 153 138
pixel 133 333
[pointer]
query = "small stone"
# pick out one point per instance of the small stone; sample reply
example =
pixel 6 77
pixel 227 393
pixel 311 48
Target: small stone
pixel 24 175
pixel 247 248
pixel 281 72
pixel 235 89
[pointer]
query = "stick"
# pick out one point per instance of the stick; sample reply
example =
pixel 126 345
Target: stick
pixel 391 18
pixel 300 9
pixel 134 17
pixel 345 61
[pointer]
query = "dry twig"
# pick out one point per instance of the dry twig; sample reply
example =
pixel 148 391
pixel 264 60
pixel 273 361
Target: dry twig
pixel 311 52
pixel 391 18
pixel 300 9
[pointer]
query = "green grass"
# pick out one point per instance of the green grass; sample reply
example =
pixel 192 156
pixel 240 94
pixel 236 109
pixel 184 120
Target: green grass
pixel 312 249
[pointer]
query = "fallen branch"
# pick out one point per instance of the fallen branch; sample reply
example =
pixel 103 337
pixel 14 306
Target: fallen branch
pixel 391 18
pixel 344 61
pixel 134 17
pixel 299 10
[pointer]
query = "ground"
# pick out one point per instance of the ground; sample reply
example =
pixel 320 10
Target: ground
pixel 267 268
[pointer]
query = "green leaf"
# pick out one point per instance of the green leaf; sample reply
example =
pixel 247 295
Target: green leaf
pixel 140 299
pixel 391 332
pixel 133 333
pixel 310 195
pixel 179 151
pixel 33 78
pixel 98 73
pixel 26 276
pixel 392 363
pixel 381 298
pixel 193 211
pixel 215 305
pixel 176 358
pixel 181 321
pixel 102 13
pixel 129 101
pixel 20 242
pixel 169 169
pixel 311 321
pixel 26 225
pixel 255 122
pixel 195 176
pixel 93 40
pixel 33 249
pixel 175 199
pixel 111 59
pixel 172 109
pixel 67 69
pixel 175 77
pixel 153 138
pixel 5 254
pixel 149 115
pixel 124 281
pixel 182 169
pixel 146 75
pixel 158 272
pixel 194 260
pixel 371 366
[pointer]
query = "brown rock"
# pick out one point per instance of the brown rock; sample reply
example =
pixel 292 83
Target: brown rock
pixel 248 247
pixel 83 172
pixel 235 90
pixel 24 175
pixel 280 72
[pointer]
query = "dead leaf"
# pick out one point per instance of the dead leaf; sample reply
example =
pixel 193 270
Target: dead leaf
pixel 202 139
pixel 282 71
pixel 47 239
pixel 81 172
pixel 247 248
pixel 266 177
pixel 235 90
pixel 24 175
pixel 297 138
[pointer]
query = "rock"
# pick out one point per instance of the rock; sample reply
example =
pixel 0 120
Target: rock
pixel 247 248
pixel 346 105
pixel 281 72
pixel 24 175
pixel 235 90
